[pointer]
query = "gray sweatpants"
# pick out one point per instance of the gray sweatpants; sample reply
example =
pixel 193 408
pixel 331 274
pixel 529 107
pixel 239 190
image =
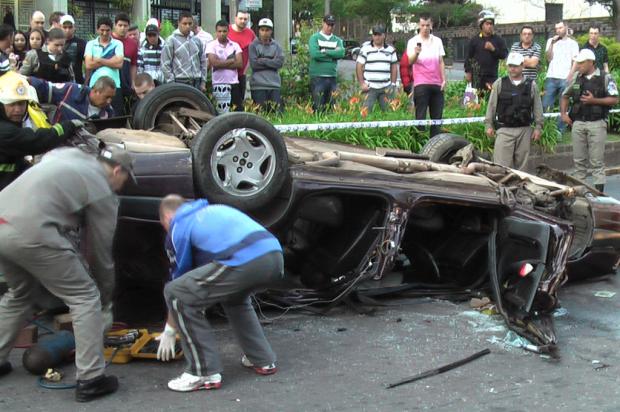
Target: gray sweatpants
pixel 512 146
pixel 25 264
pixel 589 149
pixel 188 296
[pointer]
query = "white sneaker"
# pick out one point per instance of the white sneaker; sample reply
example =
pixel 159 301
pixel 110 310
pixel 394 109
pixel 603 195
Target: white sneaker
pixel 261 370
pixel 188 382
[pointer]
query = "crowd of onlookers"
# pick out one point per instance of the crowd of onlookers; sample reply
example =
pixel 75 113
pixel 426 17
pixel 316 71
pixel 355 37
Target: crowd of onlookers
pixel 102 77
pixel 576 76
pixel 125 64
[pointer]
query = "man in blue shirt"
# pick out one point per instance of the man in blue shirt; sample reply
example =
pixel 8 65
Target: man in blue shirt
pixel 218 255
pixel 74 101
pixel 104 56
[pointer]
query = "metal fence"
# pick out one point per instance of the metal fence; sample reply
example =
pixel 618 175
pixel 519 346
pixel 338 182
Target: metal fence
pixel 86 13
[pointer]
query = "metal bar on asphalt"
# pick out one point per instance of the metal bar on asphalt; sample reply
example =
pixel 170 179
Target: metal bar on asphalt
pixel 441 369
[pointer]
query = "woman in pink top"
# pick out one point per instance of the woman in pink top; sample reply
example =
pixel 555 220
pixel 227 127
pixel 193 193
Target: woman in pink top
pixel 425 53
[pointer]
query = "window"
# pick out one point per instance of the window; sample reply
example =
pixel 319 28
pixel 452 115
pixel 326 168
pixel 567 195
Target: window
pixel 553 13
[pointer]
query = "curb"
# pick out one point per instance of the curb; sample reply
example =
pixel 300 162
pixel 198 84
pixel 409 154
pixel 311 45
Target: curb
pixel 562 158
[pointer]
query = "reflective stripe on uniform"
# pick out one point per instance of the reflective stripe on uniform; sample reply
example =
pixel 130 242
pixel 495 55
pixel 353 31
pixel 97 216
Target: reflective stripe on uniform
pixel 7 167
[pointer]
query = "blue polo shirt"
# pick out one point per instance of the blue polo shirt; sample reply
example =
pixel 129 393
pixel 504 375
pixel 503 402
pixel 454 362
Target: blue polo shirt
pixel 95 49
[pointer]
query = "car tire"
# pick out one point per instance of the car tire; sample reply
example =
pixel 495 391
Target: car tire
pixel 354 56
pixel 440 148
pixel 149 110
pixel 239 159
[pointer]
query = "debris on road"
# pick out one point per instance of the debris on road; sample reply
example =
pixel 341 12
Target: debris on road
pixel 441 369
pixel 604 294
pixel 559 312
pixel 598 365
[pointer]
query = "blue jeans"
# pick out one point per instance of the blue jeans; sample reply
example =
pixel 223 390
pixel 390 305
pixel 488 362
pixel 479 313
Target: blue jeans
pixel 553 90
pixel 268 99
pixel 322 89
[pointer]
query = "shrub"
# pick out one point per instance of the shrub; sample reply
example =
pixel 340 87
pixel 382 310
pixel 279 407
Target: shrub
pixel 294 74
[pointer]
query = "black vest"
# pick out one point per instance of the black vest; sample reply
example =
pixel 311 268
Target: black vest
pixel 588 112
pixel 52 70
pixel 514 104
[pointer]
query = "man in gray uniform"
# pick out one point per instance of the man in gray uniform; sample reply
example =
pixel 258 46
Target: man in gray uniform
pixel 513 105
pixel 40 213
pixel 590 94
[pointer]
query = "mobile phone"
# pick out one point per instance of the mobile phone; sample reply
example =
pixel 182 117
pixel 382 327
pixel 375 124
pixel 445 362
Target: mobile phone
pixel 420 45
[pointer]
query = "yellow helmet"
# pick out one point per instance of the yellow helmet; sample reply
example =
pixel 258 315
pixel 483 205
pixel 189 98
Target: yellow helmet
pixel 14 88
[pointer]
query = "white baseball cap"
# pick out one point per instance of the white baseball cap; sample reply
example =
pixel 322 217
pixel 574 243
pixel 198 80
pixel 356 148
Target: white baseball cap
pixel 515 59
pixel 67 18
pixel 585 54
pixel 265 22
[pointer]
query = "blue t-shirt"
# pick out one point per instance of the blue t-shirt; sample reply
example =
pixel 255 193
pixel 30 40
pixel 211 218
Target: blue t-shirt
pixel 95 49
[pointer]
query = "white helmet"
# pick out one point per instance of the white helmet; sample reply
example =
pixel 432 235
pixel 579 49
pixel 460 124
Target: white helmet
pixel 485 15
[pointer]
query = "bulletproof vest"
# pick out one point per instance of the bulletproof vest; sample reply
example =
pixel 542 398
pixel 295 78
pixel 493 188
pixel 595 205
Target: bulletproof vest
pixel 55 71
pixel 514 104
pixel 588 112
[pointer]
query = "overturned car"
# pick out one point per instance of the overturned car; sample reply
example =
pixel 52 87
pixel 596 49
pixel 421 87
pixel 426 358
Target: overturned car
pixel 356 222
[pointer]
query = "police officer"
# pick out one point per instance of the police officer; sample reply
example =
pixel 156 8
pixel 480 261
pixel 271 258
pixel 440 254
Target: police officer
pixel 513 105
pixel 233 256
pixel 17 135
pixel 590 94
pixel 69 191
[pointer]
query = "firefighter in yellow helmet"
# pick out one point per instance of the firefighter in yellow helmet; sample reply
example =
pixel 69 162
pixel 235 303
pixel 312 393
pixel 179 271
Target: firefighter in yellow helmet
pixel 18 137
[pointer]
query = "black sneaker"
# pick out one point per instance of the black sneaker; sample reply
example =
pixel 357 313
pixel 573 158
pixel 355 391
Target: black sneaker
pixel 94 388
pixel 5 368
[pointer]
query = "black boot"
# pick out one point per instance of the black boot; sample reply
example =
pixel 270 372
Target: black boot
pixel 5 368
pixel 94 388
pixel 600 188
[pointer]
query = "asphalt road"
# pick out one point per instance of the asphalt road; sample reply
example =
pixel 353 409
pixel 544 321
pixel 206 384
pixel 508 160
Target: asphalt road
pixel 343 361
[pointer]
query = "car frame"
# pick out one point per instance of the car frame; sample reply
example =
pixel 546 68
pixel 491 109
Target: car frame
pixel 357 222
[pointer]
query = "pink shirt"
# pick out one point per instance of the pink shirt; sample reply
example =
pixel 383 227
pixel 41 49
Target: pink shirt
pixel 427 68
pixel 222 52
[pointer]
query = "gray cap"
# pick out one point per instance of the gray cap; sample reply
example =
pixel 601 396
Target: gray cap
pixel 116 156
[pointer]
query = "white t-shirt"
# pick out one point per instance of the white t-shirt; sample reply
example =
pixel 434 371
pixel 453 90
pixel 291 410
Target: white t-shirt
pixel 427 68
pixel 564 52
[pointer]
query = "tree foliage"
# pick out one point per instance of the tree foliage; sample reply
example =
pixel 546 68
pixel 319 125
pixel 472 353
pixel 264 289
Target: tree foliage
pixel 373 10
pixel 445 14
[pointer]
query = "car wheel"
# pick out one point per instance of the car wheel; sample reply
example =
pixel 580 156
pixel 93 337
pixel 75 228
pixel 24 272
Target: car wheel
pixel 239 159
pixel 442 147
pixel 162 110
pixel 354 56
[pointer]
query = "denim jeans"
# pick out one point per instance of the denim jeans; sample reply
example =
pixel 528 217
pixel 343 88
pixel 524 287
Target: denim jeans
pixel 322 89
pixel 269 100
pixel 379 95
pixel 553 91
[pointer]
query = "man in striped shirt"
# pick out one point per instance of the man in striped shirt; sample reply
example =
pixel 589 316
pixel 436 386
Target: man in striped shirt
pixel 325 49
pixel 530 50
pixel 376 69
pixel 149 54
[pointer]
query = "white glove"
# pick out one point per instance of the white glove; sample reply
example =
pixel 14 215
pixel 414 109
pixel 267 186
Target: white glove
pixel 167 341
